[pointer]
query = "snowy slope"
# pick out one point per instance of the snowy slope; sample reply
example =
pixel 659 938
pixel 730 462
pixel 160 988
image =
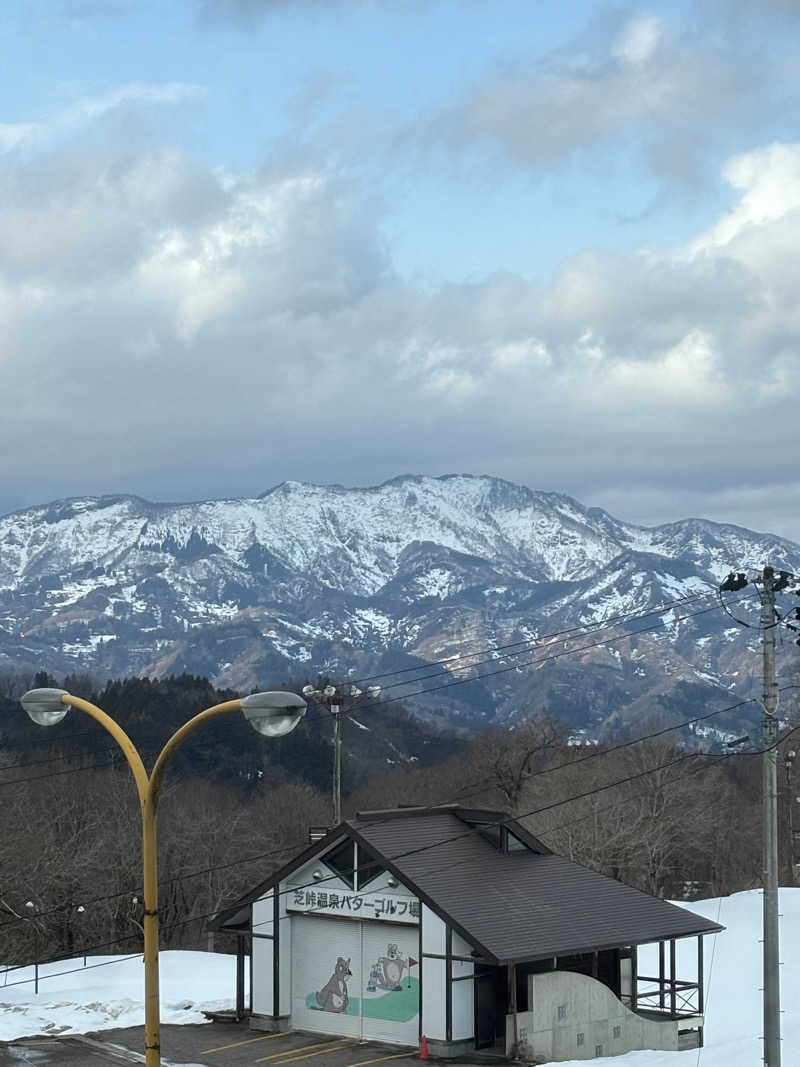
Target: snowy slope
pixel 309 578
pixel 109 993
pixel 111 996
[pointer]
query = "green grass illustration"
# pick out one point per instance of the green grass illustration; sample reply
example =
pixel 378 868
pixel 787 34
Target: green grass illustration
pixel 397 1006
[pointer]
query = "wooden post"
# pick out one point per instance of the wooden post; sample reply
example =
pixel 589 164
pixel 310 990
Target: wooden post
pixel 240 977
pixel 448 981
pixel 673 1006
pixel 512 1004
pixel 634 976
pixel 661 988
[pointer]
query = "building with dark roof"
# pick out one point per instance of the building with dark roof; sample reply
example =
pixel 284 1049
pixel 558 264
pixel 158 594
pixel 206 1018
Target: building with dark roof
pixel 460 925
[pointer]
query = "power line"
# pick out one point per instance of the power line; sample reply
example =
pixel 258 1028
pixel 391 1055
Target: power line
pixel 24 742
pixel 476 787
pixel 569 763
pixel 447 685
pixel 87 949
pixel 530 645
pixel 598 789
pixel 544 659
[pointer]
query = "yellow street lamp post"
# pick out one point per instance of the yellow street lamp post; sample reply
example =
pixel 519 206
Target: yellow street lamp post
pixel 271 714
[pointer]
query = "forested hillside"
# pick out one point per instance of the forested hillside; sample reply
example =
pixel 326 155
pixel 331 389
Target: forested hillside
pixel 642 808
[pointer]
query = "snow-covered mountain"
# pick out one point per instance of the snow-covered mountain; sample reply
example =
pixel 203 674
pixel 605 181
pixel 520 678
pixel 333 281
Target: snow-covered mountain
pixel 309 578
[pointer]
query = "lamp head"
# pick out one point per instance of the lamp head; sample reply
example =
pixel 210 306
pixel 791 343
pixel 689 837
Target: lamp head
pixel 273 714
pixel 44 706
pixel 329 691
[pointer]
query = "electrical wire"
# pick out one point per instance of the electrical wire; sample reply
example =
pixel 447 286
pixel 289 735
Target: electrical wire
pixel 477 787
pixel 415 851
pixel 544 659
pixel 458 681
pixel 726 609
pixel 118 761
pixel 24 742
pixel 710 974
pixel 559 766
pixel 543 640
pixel 601 623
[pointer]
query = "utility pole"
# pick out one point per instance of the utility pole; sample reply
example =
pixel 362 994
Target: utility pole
pixel 767 585
pixel 332 697
pixel 772 982
pixel 336 710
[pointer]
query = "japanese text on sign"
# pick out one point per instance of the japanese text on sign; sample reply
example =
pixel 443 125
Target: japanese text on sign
pixel 355 905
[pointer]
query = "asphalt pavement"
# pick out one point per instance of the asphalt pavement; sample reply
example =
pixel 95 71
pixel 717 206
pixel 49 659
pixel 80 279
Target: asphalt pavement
pixel 207 1045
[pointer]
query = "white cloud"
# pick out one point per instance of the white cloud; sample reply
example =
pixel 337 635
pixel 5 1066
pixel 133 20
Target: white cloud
pixel 768 180
pixel 630 83
pixel 638 40
pixel 178 331
pixel 87 109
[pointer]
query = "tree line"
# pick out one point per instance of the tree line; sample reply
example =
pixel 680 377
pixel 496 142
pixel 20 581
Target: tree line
pixel 675 823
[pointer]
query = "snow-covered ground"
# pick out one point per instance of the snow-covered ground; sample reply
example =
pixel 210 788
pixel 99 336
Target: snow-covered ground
pixel 101 998
pixel 733 985
pixel 109 992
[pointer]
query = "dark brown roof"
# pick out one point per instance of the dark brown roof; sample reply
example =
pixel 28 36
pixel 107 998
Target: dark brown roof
pixel 511 906
pixel 518 905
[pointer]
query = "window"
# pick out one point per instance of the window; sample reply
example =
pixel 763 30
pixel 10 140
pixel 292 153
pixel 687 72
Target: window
pixel 342 861
pixel 513 843
pixel 368 869
pixel 562 1011
pixel 580 1039
pixel 502 838
pixel 491 831
pixel 617 1032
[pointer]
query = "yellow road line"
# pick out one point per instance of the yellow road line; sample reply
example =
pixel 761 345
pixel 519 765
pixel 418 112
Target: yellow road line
pixel 410 1054
pixel 249 1041
pixel 308 1055
pixel 291 1051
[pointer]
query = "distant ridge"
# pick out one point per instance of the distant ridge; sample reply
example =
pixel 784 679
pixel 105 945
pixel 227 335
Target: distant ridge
pixel 308 578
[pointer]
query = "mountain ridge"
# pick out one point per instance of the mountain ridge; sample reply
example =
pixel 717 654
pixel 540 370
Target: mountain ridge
pixel 309 578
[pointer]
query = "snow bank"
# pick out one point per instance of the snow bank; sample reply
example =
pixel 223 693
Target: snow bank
pixel 733 974
pixel 109 992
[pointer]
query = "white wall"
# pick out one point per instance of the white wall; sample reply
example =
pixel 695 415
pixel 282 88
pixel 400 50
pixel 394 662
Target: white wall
pixel 433 976
pixel 573 1016
pixel 262 956
pixel 463 992
pixel 285 954
pixel 263 947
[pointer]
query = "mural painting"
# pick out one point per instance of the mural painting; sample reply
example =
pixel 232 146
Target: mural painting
pixel 391 992
pixel 387 971
pixel 333 996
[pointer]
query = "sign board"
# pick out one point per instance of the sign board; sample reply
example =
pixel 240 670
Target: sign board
pixel 393 908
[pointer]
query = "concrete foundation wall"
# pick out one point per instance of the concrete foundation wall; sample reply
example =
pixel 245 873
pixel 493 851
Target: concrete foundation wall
pixel 575 1017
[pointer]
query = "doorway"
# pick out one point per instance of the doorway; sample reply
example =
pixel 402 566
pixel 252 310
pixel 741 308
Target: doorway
pixel 491 1006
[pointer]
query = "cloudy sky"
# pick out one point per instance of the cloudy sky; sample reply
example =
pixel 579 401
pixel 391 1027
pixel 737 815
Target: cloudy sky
pixel 244 241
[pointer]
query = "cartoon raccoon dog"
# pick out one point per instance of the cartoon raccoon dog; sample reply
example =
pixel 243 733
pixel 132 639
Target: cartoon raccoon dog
pixel 333 995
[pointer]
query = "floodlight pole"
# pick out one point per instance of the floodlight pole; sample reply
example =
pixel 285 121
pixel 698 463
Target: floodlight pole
pixel 336 714
pixel 148 788
pixel 772 988
pixel 288 705
pixel 331 697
